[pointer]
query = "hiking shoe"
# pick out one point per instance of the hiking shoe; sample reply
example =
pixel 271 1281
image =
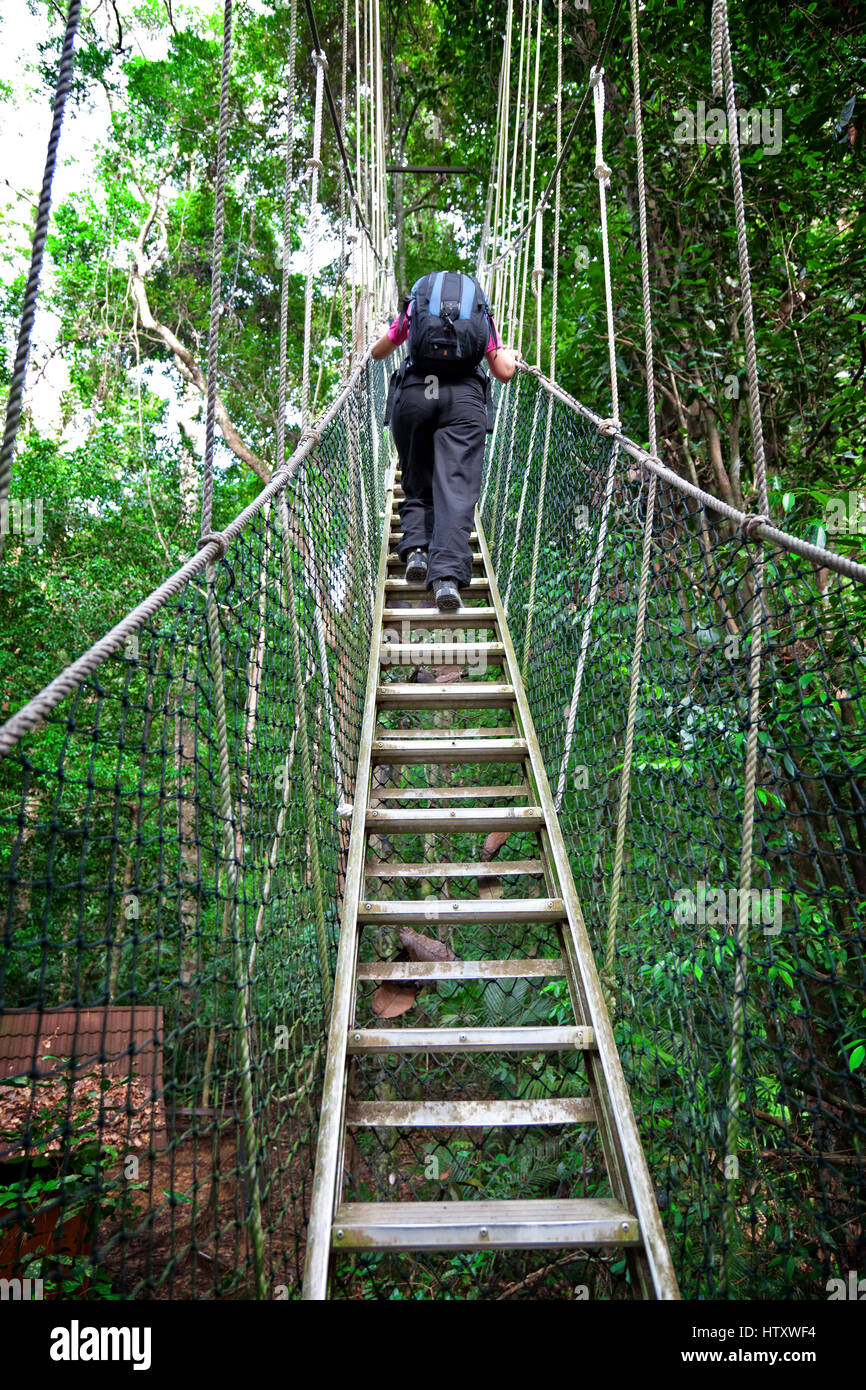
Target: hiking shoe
pixel 416 567
pixel 446 595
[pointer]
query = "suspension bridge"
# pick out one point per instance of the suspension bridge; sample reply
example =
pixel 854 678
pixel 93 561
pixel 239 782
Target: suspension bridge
pixel 395 937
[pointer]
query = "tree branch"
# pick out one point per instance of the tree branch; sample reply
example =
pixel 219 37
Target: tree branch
pixel 143 265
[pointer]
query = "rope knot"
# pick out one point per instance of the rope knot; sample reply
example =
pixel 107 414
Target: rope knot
pixel 310 433
pixel 595 76
pixel 322 60
pixel 218 537
pixel 313 163
pixel 609 426
pixel 750 522
pixel 602 171
pixel 536 277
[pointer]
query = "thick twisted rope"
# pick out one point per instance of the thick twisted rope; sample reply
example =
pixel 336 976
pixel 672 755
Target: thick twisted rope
pixel 752 527
pixel 721 40
pixel 602 174
pixel 723 77
pixel 216 275
pixel 40 233
pixel 544 200
pixel 339 128
pixel 287 237
pixel 744 897
pixel 608 971
pixel 231 831
pixel 344 323
pixel 314 165
pixel 542 488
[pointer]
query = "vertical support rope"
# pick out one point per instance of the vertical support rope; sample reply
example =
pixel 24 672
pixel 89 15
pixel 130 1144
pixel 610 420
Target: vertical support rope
pixel 344 279
pixel 542 488
pixel 306 760
pixel 525 258
pixel 608 972
pixel 602 174
pixel 287 238
pixel 314 165
pixel 509 218
pixel 515 539
pixel 587 628
pixel 721 35
pixel 723 77
pixel 216 275
pixel 744 896
pixel 503 117
pixel 231 831
pixel 40 233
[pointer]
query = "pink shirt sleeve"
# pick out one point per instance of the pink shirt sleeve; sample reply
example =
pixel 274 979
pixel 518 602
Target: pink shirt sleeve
pixel 399 332
pixel 494 341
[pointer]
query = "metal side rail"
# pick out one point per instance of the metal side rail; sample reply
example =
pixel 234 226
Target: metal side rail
pixel 628 1218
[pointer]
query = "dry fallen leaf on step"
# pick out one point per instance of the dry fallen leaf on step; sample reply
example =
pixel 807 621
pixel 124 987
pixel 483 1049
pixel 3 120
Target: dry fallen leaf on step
pixel 493 844
pixel 392 998
pixel 424 947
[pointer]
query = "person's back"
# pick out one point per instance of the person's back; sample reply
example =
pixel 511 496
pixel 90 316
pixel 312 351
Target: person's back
pixel 439 422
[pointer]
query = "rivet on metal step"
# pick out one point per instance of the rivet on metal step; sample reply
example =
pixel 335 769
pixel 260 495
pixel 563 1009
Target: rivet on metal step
pixel 339 1235
pixel 456 907
pixel 550 904
pixel 462 1037
pixel 357 1037
pixel 625 1227
pixel 368 907
pixel 453 813
pixel 373 813
pixel 484 1233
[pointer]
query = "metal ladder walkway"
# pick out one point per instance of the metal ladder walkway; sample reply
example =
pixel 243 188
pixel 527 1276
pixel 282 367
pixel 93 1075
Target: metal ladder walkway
pixel 629 1218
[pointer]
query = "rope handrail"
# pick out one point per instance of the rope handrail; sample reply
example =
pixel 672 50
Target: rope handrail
pixel 213 546
pixel 753 526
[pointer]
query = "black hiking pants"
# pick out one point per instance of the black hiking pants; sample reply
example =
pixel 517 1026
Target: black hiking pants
pixel 440 432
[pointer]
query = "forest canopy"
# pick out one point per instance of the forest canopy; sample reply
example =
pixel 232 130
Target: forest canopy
pixel 127 282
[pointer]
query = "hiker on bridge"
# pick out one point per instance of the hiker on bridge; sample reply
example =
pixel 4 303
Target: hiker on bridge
pixel 440 406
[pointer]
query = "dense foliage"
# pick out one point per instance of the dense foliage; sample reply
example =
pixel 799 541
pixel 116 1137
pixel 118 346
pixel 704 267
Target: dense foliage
pixel 118 485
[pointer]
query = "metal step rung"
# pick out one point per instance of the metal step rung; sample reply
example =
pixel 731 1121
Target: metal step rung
pixel 467 694
pixel 433 971
pixel 394 561
pixel 469 1114
pixel 448 793
pixel 441 654
pixel 515 1225
pixel 399 586
pixel 422 618
pixel 502 868
pixel 397 533
pixel 404 752
pixel 463 910
pixel 514 819
pixel 485 731
pixel 399 1040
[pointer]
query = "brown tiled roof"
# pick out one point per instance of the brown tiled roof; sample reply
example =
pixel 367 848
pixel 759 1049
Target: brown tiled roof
pixel 117 1039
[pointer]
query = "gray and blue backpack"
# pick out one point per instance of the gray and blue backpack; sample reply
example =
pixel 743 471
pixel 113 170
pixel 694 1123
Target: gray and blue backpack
pixel 450 323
